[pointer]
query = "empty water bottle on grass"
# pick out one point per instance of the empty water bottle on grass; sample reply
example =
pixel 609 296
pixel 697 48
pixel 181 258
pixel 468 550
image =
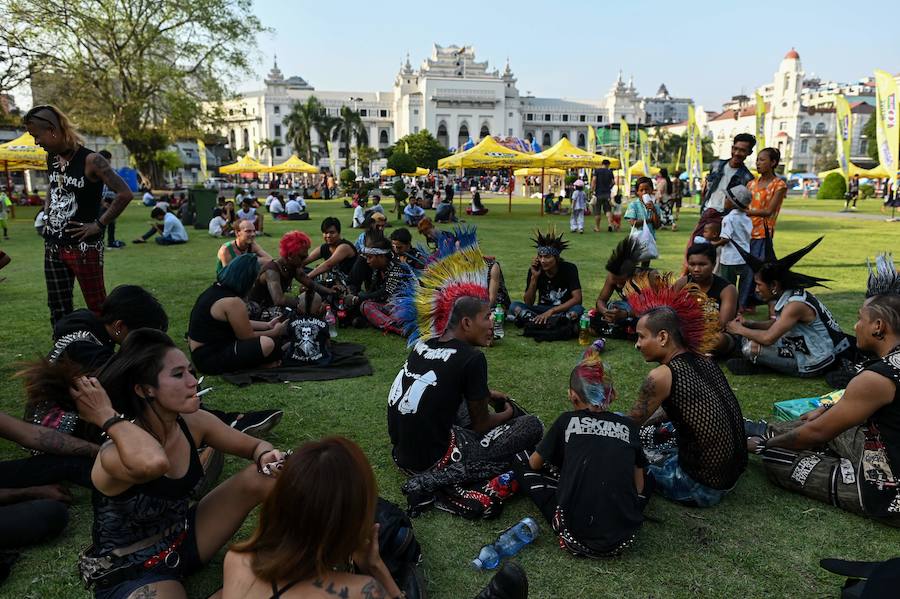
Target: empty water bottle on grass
pixel 509 543
pixel 331 321
pixel 498 322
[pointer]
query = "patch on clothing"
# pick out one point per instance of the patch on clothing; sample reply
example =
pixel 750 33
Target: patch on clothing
pixel 493 434
pixel 847 474
pixel 803 468
pixel 877 469
pixel 795 344
pixel 66 340
pixel 894 507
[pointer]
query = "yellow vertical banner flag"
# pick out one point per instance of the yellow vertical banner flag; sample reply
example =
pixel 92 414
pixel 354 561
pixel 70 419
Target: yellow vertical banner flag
pixel 844 132
pixel 624 155
pixel 760 122
pixel 645 150
pixel 201 152
pixel 887 128
pixel 677 161
pixel 691 162
pixel 406 147
pixel 592 148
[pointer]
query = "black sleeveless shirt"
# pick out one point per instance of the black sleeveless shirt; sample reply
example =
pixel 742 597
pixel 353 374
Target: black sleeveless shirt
pixel 146 510
pixel 345 265
pixel 716 287
pixel 203 327
pixel 880 468
pixel 712 448
pixel 73 198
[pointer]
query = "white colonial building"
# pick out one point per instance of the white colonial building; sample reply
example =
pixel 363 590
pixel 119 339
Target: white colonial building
pixel 452 95
pixel 800 114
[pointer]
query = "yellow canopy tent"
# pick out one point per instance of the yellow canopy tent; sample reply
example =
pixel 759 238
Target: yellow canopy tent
pixel 565 155
pixel 879 172
pixel 291 165
pixel 637 169
pixel 22 153
pixel 854 170
pixel 247 164
pixel 488 154
pixel 388 172
pixel 420 172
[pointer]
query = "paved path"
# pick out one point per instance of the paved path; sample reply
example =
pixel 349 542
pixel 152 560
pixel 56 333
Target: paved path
pixel 829 214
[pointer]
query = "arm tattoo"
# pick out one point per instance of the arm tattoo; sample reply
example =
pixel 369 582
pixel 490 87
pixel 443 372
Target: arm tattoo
pixel 54 442
pixel 787 440
pixel 373 590
pixel 641 409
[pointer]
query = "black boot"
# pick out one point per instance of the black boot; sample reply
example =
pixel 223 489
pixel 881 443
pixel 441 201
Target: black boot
pixel 510 582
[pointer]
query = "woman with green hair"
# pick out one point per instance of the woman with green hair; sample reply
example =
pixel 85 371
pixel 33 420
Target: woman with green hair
pixel 221 335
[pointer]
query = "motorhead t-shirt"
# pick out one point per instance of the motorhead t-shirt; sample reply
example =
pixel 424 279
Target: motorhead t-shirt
pixel 310 342
pixel 73 197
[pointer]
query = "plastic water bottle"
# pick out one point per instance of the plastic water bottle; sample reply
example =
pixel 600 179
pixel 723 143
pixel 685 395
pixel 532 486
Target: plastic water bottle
pixel 331 321
pixel 509 543
pixel 498 322
pixel 584 330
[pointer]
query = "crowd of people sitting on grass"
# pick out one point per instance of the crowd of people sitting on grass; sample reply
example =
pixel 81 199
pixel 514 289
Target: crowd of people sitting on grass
pixel 116 406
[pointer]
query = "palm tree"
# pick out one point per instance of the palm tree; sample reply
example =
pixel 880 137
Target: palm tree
pixel 327 128
pixel 301 122
pixel 349 126
pixel 269 145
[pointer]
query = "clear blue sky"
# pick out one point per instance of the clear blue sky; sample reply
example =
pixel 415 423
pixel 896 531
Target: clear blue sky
pixel 708 51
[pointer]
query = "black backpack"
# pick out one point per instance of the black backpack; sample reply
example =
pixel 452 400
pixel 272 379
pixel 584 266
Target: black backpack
pixel 399 548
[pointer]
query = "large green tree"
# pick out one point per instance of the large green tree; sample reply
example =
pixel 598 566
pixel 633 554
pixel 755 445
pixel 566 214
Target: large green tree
pixel 349 126
pixel 423 147
pixel 301 121
pixel 140 70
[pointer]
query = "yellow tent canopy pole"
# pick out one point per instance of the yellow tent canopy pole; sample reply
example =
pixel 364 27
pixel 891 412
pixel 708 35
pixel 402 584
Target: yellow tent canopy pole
pixel 291 165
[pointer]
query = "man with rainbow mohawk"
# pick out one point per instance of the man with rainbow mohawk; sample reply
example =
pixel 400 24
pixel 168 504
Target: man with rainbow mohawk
pixel 442 430
pixel 593 492
pixel 700 451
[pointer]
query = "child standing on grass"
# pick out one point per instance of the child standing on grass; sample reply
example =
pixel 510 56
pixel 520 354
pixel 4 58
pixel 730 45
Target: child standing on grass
pixel 595 504
pixel 5 207
pixel 736 228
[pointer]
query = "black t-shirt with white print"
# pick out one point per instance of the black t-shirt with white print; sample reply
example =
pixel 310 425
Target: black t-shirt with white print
pixel 596 453
pixel 425 397
pixel 557 290
pixel 73 197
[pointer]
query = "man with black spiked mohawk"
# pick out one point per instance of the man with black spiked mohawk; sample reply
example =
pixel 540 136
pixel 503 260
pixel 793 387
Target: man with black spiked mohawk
pixel 804 339
pixel 552 285
pixel 848 453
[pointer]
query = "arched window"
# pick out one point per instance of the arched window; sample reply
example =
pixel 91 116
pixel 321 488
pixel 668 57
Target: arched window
pixel 232 139
pixel 442 136
pixel 529 136
pixel 362 137
pixel 246 139
pixel 383 138
pixel 787 81
pixel 566 135
pixel 463 136
pixel 548 140
pixel 820 128
pixel 806 128
pixel 581 143
pixel 485 131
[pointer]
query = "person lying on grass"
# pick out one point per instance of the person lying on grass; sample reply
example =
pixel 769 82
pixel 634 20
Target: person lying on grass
pixel 594 500
pixel 147 534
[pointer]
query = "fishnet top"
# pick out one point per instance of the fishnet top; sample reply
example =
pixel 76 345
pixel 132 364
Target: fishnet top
pixel 712 448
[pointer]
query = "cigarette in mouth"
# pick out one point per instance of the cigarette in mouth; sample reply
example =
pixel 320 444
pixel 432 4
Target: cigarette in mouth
pixel 204 391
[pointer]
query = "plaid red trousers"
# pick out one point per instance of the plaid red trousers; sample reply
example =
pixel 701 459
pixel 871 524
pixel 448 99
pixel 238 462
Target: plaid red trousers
pixel 63 265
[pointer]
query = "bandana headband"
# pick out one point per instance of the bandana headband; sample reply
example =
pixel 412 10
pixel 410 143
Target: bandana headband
pixel 544 250
pixel 375 251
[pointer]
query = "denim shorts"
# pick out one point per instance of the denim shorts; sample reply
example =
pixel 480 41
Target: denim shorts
pixel 674 483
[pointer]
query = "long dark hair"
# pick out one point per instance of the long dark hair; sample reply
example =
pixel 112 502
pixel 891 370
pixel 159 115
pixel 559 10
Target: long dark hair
pixel 321 510
pixel 664 173
pixel 138 363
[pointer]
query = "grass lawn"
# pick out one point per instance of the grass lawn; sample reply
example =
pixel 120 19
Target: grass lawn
pixel 760 542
